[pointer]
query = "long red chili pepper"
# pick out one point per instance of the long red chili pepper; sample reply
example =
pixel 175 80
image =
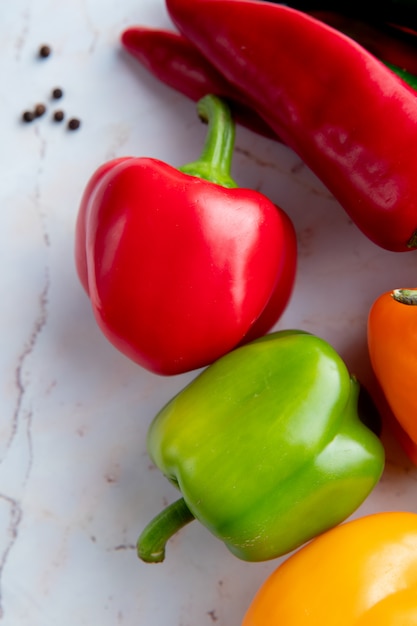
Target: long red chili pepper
pixel 351 120
pixel 176 62
pixel 386 43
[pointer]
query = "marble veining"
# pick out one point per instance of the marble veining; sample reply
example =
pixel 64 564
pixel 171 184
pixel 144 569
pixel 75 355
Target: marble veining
pixel 76 483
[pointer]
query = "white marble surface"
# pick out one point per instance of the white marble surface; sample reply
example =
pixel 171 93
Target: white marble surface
pixel 76 484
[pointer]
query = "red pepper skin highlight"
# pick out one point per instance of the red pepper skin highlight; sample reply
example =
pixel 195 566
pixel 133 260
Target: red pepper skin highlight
pixel 82 218
pixel 182 266
pixel 173 60
pixel 347 116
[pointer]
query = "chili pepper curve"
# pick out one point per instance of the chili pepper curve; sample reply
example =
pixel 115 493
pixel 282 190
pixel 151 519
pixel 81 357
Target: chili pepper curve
pixel 387 44
pixel 347 116
pixel 177 63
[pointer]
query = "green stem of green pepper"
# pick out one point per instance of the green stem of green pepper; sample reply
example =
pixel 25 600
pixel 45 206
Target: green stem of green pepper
pixel 215 160
pixel 405 296
pixel 152 541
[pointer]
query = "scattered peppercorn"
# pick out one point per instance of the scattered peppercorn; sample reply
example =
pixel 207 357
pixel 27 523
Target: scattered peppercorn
pixel 57 93
pixel 74 123
pixel 59 116
pixel 28 116
pixel 44 51
pixel 40 109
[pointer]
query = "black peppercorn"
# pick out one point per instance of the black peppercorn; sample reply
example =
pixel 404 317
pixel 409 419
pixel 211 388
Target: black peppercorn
pixel 44 51
pixel 28 116
pixel 57 93
pixel 39 110
pixel 59 116
pixel 74 123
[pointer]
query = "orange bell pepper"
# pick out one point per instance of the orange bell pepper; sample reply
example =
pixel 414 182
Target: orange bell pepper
pixel 392 345
pixel 361 573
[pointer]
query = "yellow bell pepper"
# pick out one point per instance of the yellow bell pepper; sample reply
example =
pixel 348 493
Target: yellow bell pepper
pixel 360 573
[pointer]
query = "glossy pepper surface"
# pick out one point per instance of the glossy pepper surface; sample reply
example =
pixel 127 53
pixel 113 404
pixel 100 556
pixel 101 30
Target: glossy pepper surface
pixel 392 344
pixel 347 115
pixel 182 266
pixel 177 63
pixel 362 573
pixel 266 447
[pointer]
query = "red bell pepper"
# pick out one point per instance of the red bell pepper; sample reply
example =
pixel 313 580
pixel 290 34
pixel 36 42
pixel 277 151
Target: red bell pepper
pixel 349 117
pixel 181 266
pixel 176 62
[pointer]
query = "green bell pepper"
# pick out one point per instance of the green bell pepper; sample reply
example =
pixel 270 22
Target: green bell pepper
pixel 266 447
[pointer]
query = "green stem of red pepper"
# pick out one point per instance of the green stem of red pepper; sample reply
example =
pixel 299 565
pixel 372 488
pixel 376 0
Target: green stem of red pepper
pixel 215 160
pixel 152 541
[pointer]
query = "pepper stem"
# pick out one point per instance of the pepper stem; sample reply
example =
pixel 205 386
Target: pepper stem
pixel 215 159
pixel 152 541
pixel 405 296
pixel 412 242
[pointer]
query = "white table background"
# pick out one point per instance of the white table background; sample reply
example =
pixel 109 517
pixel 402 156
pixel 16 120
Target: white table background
pixel 76 484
